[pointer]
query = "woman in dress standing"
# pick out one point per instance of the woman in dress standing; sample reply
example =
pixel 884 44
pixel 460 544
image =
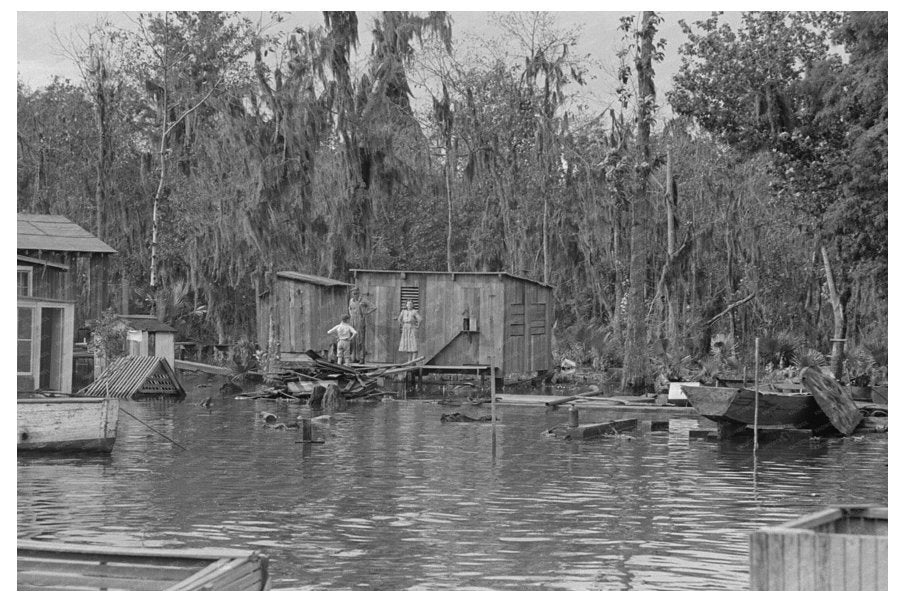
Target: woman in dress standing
pixel 409 321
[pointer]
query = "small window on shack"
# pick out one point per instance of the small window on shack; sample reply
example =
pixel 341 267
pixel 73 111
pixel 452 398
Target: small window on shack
pixel 24 340
pixel 23 281
pixel 406 294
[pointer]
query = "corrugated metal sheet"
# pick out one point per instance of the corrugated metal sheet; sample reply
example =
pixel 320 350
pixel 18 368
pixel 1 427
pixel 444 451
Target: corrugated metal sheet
pixel 56 233
pixel 128 376
pixel 320 280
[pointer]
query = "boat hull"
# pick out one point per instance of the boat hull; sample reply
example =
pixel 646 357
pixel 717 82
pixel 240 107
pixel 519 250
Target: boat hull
pixel 724 404
pixel 46 565
pixel 66 424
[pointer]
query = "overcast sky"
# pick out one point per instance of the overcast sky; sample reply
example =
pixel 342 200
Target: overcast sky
pixel 39 56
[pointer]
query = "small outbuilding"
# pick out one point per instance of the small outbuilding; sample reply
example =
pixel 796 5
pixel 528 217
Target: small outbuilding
pixel 301 309
pixel 146 336
pixel 467 318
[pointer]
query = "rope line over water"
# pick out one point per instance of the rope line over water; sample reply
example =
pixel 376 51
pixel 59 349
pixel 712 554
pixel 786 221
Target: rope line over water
pixel 176 443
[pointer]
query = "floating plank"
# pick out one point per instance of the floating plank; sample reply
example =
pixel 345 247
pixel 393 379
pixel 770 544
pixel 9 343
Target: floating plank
pixel 206 368
pixel 833 399
pixel 563 400
pixel 592 431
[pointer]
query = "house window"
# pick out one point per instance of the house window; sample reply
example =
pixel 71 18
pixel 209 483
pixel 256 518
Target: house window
pixel 23 281
pixel 408 293
pixel 24 343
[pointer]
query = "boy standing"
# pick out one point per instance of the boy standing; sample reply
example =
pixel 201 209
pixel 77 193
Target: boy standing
pixel 344 335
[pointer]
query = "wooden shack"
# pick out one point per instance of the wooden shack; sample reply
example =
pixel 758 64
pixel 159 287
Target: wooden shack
pixel 301 309
pixel 468 317
pixel 74 264
pixel 51 253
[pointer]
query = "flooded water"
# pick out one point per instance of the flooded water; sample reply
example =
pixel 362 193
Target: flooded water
pixel 395 499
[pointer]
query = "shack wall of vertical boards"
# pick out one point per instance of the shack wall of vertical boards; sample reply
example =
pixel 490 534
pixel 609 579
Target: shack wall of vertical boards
pixel 508 318
pixel 302 313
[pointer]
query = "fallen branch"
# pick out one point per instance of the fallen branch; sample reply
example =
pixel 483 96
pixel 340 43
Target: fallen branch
pixel 728 309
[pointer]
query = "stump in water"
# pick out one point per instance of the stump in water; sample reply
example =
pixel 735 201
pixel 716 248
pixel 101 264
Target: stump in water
pixel 333 400
pixel 833 399
pixel 317 396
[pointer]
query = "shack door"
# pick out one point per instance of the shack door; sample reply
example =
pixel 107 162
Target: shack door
pixel 538 339
pixel 514 346
pixel 383 339
pixel 51 354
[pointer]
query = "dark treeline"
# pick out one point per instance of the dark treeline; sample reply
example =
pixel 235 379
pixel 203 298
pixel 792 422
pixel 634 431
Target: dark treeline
pixel 750 199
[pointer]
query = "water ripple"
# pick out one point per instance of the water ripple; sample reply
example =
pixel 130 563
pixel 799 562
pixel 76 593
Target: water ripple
pixel 398 500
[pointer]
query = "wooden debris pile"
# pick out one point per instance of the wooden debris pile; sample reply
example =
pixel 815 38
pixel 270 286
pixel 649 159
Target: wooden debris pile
pixel 321 383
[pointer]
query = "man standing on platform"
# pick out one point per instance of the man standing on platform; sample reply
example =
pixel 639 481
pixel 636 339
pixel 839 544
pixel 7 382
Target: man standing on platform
pixel 358 310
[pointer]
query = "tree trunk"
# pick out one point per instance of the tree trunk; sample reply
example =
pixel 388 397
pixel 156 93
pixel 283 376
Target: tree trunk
pixel 125 292
pixel 672 203
pixel 163 164
pixel 634 370
pixel 546 259
pixel 449 214
pixel 839 324
pixel 617 276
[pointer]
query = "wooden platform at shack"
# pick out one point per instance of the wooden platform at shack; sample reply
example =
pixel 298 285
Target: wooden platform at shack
pixel 842 548
pixel 45 565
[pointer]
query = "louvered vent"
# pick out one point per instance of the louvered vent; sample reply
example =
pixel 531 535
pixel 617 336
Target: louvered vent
pixel 408 293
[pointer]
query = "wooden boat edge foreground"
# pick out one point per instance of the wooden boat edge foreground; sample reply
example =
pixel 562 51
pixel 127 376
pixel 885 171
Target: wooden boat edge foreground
pixel 66 424
pixel 838 548
pixel 64 566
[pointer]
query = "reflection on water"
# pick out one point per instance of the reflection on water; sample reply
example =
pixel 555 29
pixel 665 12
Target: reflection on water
pixel 395 499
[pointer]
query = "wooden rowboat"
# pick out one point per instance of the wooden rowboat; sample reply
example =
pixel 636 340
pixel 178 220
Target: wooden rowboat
pixel 844 548
pixel 45 565
pixel 725 404
pixel 66 424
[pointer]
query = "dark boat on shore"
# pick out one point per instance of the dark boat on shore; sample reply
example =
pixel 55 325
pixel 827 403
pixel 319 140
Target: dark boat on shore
pixel 736 405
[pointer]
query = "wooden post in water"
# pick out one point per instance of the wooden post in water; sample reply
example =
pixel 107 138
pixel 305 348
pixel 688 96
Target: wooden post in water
pixel 756 385
pixel 493 403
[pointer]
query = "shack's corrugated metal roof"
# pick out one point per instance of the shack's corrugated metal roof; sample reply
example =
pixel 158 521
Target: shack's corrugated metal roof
pixel 497 274
pixel 148 323
pixel 319 280
pixel 37 232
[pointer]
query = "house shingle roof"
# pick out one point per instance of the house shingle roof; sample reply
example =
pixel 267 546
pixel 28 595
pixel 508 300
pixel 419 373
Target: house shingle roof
pixel 36 232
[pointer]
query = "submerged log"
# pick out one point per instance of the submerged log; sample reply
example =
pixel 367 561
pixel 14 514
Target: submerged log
pixel 333 400
pixel 457 417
